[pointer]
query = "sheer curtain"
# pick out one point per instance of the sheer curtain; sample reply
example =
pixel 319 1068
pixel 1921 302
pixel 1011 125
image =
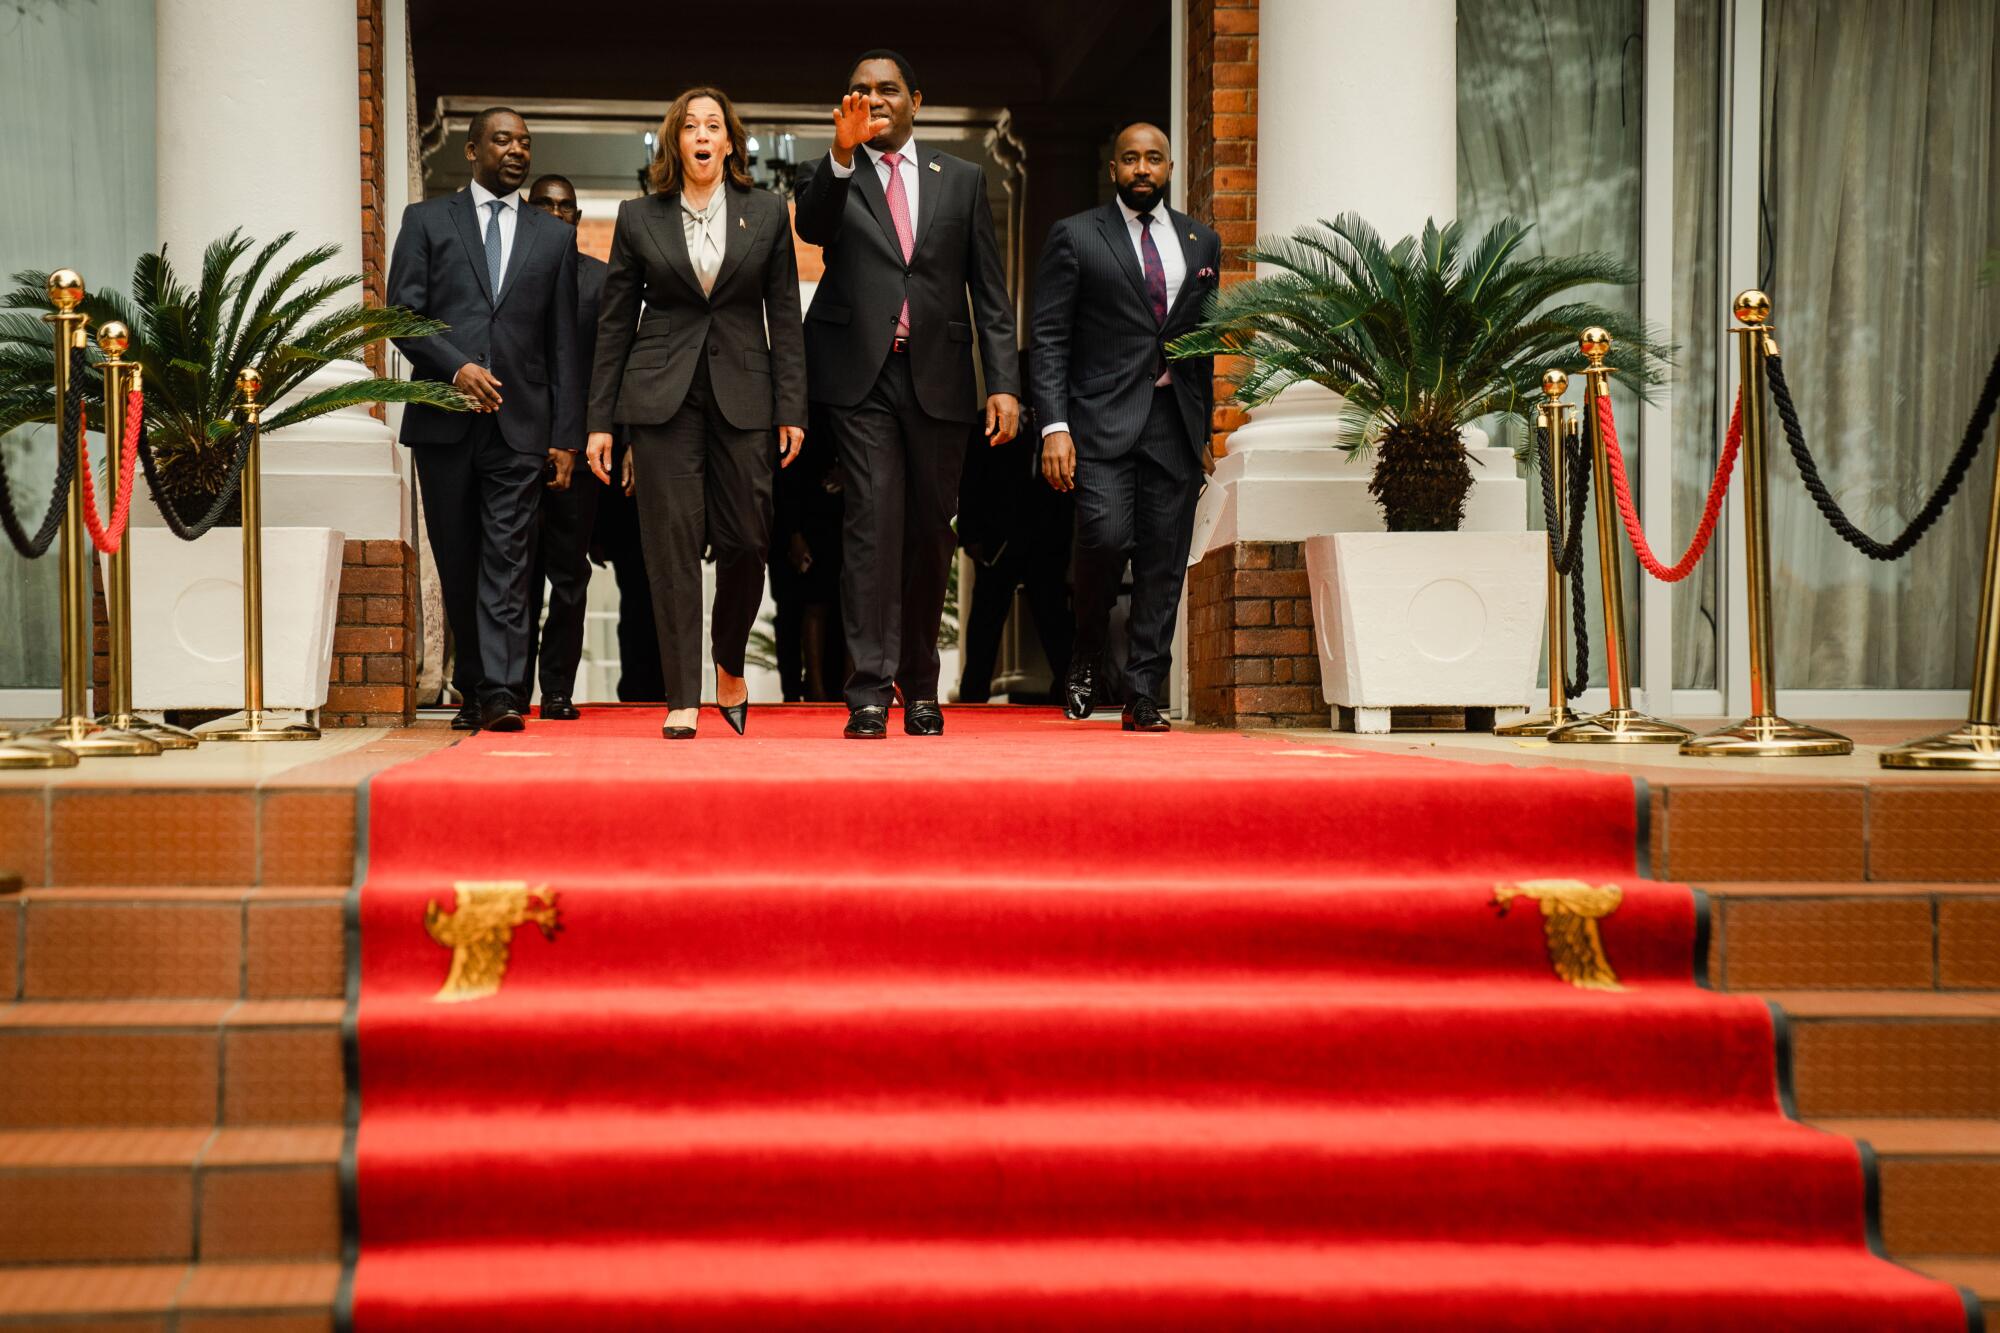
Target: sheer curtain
pixel 80 193
pixel 1550 103
pixel 1880 204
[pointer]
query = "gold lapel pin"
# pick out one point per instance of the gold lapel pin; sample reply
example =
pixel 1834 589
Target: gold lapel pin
pixel 744 223
pixel 1190 236
pixel 936 167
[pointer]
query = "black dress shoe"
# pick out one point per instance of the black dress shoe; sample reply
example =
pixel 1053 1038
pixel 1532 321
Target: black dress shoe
pixel 558 708
pixel 466 718
pixel 1142 714
pixel 736 715
pixel 867 724
pixel 1080 690
pixel 923 717
pixel 677 733
pixel 500 715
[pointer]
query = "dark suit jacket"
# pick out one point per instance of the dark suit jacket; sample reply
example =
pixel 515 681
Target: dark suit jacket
pixel 853 314
pixel 1096 349
pixel 590 272
pixel 645 362
pixel 527 340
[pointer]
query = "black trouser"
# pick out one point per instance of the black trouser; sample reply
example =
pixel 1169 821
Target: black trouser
pixel 902 467
pixel 702 481
pixel 1140 508
pixel 562 559
pixel 480 496
pixel 1041 573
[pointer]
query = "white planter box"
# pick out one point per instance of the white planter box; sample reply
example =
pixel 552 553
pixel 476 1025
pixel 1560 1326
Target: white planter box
pixel 187 617
pixel 1427 619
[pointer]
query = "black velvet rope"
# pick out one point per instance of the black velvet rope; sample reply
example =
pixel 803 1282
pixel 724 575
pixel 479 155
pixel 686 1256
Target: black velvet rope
pixel 1567 548
pixel 188 532
pixel 32 545
pixel 1954 473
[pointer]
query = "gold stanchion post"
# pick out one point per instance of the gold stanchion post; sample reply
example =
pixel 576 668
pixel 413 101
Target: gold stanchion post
pixel 1762 735
pixel 1552 416
pixel 255 726
pixel 77 730
pixel 1974 747
pixel 1621 724
pixel 120 378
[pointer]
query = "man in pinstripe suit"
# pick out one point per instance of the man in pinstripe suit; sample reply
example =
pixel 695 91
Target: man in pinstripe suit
pixel 1121 429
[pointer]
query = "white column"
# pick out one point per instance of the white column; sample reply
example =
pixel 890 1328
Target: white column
pixel 257 123
pixel 1357 112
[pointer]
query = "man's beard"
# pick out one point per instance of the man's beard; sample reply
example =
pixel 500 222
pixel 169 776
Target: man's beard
pixel 1140 203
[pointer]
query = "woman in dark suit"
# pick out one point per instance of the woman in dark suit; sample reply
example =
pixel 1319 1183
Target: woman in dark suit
pixel 711 405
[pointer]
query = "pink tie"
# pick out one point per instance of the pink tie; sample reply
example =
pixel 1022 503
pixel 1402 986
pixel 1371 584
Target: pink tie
pixel 899 213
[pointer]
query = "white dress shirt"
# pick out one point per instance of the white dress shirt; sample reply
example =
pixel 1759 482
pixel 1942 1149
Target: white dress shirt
pixel 510 214
pixel 1172 261
pixel 908 170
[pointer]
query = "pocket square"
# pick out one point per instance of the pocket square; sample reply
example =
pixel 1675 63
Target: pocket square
pixel 1206 273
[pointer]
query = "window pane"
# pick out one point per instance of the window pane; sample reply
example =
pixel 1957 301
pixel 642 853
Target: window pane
pixel 1880 204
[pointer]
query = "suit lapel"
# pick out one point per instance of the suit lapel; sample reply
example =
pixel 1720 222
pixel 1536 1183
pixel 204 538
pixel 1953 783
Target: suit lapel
pixel 927 190
pixel 527 230
pixel 1184 233
pixel 739 233
pixel 663 219
pixel 467 217
pixel 869 186
pixel 1112 223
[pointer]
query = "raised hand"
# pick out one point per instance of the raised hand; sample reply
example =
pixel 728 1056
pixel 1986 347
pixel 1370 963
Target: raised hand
pixel 854 125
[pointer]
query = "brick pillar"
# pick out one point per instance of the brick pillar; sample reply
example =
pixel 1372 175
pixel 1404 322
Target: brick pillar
pixel 374 230
pixel 1222 150
pixel 374 675
pixel 1250 639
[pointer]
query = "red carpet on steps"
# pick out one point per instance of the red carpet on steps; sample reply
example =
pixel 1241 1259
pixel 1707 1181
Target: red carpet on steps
pixel 1044 1026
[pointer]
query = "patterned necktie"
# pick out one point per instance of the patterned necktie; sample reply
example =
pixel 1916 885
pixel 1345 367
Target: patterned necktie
pixel 493 246
pixel 1156 272
pixel 899 213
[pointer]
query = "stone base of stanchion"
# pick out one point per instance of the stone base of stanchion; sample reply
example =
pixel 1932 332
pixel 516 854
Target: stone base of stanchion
pixel 17 752
pixel 1768 737
pixel 1619 726
pixel 257 725
pixel 1974 747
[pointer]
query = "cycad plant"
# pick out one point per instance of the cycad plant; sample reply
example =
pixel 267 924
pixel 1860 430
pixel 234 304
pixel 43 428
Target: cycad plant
pixel 281 314
pixel 1421 339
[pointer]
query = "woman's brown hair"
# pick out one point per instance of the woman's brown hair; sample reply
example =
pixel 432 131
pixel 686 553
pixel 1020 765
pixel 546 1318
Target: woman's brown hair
pixel 665 173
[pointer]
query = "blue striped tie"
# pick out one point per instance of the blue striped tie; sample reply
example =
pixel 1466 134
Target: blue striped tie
pixel 493 246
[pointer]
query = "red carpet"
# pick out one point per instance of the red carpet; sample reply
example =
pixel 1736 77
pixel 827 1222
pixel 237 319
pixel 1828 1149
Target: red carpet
pixel 1043 1026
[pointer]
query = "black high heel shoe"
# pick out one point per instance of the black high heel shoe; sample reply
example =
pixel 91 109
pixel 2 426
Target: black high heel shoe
pixel 674 733
pixel 736 715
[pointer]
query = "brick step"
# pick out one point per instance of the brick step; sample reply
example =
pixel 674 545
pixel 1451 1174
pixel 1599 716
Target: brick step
pixel 1980 1276
pixel 82 1064
pixel 1844 935
pixel 1894 1053
pixel 169 1195
pixel 187 943
pixel 1940 1183
pixel 214 1297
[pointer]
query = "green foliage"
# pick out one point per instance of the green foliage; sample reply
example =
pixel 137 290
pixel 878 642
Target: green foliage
pixel 278 313
pixel 1431 333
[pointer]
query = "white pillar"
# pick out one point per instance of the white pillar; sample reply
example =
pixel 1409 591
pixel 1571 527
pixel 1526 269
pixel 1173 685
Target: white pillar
pixel 1357 112
pixel 257 123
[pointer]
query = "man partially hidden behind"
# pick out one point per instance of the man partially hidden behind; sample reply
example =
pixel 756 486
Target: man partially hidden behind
pixel 502 276
pixel 562 551
pixel 1128 434
pixel 907 233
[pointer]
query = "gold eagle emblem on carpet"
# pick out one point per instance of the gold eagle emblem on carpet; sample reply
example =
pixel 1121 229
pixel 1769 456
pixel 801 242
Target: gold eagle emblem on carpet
pixel 479 931
pixel 1571 910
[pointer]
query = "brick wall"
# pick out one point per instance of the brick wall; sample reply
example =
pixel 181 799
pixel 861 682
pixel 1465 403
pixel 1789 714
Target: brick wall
pixel 373 680
pixel 1222 149
pixel 374 229
pixel 1251 657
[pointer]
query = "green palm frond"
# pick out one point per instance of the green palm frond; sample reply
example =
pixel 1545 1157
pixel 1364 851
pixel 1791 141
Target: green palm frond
pixel 279 312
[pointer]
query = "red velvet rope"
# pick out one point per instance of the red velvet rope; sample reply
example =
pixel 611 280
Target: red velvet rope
pixel 1608 428
pixel 108 537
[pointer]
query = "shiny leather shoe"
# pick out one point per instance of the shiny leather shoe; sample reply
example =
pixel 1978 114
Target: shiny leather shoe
pixel 466 718
pixel 923 717
pixel 1142 714
pixel 1080 690
pixel 500 715
pixel 558 708
pixel 867 724
pixel 736 715
pixel 677 733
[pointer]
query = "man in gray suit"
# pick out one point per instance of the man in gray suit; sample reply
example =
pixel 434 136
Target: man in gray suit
pixel 1128 434
pixel 502 276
